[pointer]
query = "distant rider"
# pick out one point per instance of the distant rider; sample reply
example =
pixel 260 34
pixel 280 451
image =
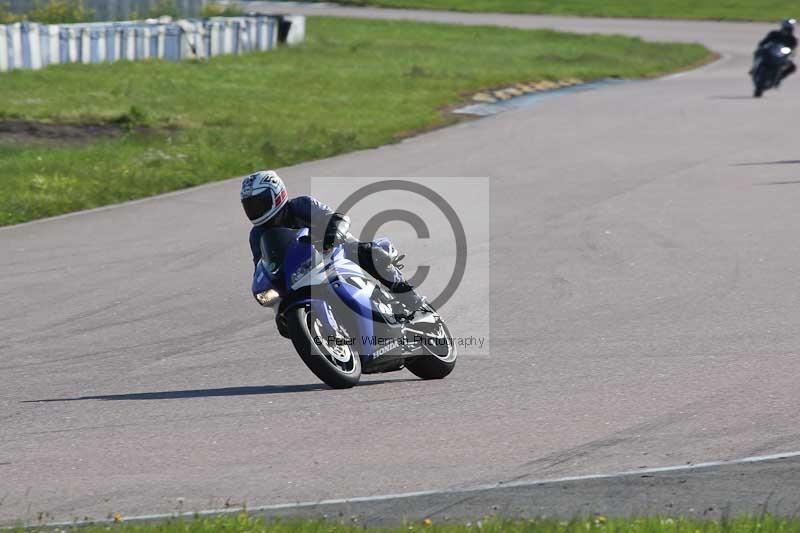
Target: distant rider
pixel 267 205
pixel 784 36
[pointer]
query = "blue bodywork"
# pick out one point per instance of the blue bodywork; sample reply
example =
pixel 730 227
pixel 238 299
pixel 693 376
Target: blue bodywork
pixel 300 254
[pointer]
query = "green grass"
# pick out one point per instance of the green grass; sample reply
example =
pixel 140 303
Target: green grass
pixel 766 10
pixel 49 12
pixel 599 524
pixel 353 84
pixel 68 11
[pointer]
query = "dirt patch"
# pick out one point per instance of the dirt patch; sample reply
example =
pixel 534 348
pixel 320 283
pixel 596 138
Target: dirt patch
pixel 32 132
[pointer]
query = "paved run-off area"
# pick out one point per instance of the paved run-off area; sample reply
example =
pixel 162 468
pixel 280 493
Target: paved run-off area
pixel 643 296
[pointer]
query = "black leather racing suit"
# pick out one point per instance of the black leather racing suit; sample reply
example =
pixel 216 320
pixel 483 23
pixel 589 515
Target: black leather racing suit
pixel 333 228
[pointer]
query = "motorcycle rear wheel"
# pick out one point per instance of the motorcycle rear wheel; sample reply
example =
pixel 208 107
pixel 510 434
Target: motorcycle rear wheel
pixel 336 364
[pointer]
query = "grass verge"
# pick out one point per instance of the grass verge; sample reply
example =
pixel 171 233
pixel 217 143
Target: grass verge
pixel 69 11
pixel 598 524
pixel 354 84
pixel 763 10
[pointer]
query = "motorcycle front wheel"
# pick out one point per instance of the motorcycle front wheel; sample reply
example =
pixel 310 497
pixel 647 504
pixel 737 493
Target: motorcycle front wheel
pixel 440 354
pixel 333 360
pixel 760 81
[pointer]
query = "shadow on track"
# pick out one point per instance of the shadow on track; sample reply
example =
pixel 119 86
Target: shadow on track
pixel 788 182
pixel 784 162
pixel 209 393
pixel 738 97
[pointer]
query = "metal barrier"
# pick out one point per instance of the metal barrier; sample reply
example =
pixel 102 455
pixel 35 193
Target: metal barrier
pixel 33 46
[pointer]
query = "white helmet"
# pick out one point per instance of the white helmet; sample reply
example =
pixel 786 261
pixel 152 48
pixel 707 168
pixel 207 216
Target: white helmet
pixel 263 196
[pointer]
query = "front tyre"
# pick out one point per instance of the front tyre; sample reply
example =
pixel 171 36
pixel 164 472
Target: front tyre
pixel 760 81
pixel 440 354
pixel 336 363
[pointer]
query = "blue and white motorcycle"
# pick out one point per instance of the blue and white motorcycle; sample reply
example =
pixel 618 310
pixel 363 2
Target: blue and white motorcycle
pixel 341 321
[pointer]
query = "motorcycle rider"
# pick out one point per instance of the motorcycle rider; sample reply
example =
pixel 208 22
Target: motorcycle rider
pixel 784 36
pixel 267 205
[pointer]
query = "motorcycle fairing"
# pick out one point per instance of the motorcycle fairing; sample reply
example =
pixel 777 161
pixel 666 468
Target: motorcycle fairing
pixel 325 282
pixel 261 280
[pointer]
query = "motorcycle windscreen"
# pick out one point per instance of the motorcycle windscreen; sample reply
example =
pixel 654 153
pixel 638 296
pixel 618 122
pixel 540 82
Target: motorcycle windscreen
pixel 274 244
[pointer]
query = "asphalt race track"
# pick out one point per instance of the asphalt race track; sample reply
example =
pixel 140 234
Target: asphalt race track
pixel 644 313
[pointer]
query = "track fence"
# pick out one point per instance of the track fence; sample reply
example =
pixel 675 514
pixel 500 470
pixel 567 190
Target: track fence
pixel 27 45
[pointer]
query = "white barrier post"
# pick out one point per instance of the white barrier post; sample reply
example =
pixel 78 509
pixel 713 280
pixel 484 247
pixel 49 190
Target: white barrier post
pixel 108 43
pixel 146 43
pixel 86 46
pixel 15 36
pixel 244 37
pixel 101 45
pixel 214 48
pixel 297 31
pixel 44 44
pixel 55 43
pixel 272 32
pixel 162 31
pixel 227 43
pixel 119 44
pixel 72 50
pixel 119 41
pixel 252 38
pixel 3 49
pixel 35 47
pixel 261 29
pixel 186 38
pixel 200 40
pixel 130 44
pixel 236 37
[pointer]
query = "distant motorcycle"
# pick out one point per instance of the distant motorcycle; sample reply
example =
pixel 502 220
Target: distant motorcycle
pixel 768 66
pixel 340 320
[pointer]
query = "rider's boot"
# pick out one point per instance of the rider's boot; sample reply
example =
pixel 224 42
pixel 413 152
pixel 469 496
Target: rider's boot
pixel 408 297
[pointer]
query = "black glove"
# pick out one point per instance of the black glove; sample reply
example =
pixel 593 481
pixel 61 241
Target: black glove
pixel 336 232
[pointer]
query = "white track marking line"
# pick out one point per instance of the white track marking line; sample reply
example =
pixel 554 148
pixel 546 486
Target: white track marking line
pixel 479 488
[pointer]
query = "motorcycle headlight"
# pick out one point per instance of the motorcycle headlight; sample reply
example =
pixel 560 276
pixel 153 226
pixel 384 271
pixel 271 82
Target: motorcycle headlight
pixel 786 50
pixel 268 298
